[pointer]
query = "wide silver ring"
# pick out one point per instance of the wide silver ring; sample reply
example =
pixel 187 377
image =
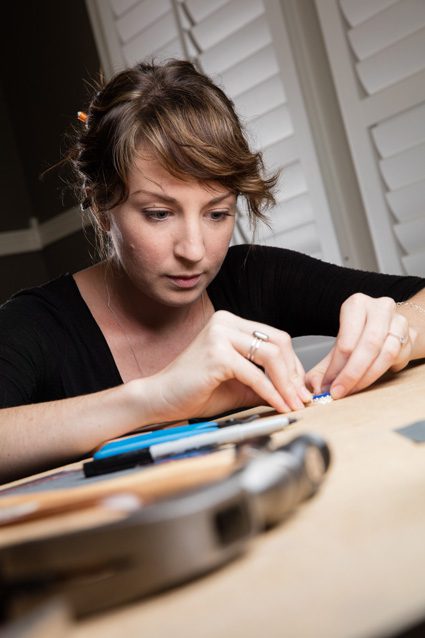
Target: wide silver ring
pixel 403 339
pixel 259 337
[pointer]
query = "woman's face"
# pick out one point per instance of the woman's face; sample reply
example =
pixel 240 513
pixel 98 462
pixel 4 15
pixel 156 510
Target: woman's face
pixel 171 236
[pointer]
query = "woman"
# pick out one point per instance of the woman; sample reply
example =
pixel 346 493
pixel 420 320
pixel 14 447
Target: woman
pixel 172 322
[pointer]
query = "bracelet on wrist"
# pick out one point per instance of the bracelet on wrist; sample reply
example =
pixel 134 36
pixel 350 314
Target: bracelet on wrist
pixel 411 304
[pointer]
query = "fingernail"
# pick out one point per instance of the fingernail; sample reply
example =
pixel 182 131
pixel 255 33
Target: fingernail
pixel 337 392
pixel 283 408
pixel 297 404
pixel 306 395
pixel 318 388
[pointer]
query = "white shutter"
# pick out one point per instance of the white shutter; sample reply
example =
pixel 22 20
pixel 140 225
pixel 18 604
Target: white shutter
pixel 377 54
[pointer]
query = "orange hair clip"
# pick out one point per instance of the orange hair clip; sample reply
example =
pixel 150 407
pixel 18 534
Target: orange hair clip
pixel 82 116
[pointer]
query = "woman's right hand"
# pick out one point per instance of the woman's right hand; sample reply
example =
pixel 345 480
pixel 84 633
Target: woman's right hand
pixel 214 375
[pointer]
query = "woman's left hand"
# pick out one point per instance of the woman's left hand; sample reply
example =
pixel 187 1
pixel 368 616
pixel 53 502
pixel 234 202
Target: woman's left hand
pixel 373 338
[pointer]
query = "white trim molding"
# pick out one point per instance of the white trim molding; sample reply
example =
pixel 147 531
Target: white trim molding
pixel 39 235
pixel 20 241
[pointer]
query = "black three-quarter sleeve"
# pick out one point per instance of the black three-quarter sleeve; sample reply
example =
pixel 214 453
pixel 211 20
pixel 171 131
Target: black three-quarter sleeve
pixel 294 292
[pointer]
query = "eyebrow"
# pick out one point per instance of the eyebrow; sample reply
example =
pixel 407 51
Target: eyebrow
pixel 172 200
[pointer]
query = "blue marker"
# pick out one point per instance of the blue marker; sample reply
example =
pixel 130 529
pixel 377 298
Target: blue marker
pixel 145 440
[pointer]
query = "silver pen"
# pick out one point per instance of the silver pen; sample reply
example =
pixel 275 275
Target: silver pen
pixel 232 434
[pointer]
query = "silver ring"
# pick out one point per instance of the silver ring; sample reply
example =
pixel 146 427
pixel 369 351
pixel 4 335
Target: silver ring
pixel 259 337
pixel 403 339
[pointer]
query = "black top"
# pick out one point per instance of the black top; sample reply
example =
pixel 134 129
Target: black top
pixel 52 348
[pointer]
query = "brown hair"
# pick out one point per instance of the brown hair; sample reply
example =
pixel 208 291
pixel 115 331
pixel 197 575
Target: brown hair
pixel 183 118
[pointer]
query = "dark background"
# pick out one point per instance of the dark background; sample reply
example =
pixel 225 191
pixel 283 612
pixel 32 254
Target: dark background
pixel 48 58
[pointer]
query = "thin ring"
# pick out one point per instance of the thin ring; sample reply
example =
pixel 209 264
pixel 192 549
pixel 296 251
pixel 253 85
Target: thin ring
pixel 259 337
pixel 403 339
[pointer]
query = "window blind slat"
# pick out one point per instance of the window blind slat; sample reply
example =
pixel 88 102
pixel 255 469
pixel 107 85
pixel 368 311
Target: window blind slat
pixel 140 17
pixel 291 183
pixel 285 217
pixel 408 202
pixel 227 20
pixel 404 168
pixel 271 127
pixel 238 46
pixel 401 131
pixel 200 9
pixel 415 264
pixel 411 235
pixel 121 6
pixel 387 27
pixel 358 11
pixel 291 214
pixel 303 239
pixel 153 38
pixel 172 49
pixel 261 98
pixel 402 59
pixel 280 154
pixel 251 71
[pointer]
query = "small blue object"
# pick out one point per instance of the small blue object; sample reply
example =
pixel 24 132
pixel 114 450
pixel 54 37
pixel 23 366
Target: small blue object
pixel 325 397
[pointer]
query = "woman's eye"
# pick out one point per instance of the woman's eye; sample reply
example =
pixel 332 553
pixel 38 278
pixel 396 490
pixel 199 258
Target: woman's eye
pixel 156 214
pixel 218 215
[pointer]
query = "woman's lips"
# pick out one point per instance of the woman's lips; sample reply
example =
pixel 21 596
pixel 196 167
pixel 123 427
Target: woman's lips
pixel 184 281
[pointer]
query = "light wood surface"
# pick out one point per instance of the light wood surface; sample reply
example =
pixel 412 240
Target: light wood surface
pixel 350 562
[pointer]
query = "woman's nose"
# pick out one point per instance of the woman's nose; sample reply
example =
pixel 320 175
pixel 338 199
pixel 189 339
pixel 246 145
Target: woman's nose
pixel 189 244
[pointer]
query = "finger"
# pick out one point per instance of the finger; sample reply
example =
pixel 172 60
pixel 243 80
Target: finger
pixel 393 356
pixel 352 321
pixel 300 382
pixel 379 316
pixel 251 376
pixel 373 353
pixel 294 369
pixel 278 361
pixel 284 378
pixel 314 377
